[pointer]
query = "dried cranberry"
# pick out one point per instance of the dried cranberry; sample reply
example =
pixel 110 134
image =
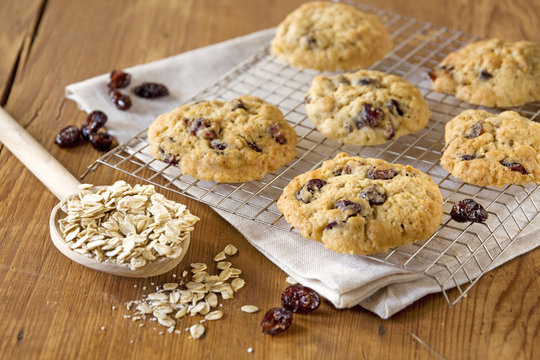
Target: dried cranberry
pixel 390 131
pixel 514 166
pixel 344 170
pixel 300 299
pixel 119 79
pixel 238 104
pixel 345 205
pixel 254 146
pixel 70 136
pixel 334 223
pixel 122 101
pixel 151 90
pixel 208 134
pixel 432 75
pixel 474 130
pixel 101 141
pixel 309 188
pixel 197 124
pixel 484 75
pixel 278 133
pixel 374 194
pixel 468 210
pixel 369 81
pixel 395 107
pixel 276 320
pixel 218 145
pixel 466 157
pixel 381 174
pixel 94 121
pixel 342 79
pixel 370 116
pixel 307 100
pixel 170 159
pixel 310 40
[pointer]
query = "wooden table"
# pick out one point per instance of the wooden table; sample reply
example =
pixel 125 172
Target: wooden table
pixel 52 308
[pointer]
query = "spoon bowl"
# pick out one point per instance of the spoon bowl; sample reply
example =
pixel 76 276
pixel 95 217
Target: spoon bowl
pixel 64 185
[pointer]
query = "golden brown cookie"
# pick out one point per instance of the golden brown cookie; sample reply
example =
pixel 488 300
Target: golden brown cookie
pixel 330 36
pixel 366 107
pixel 362 206
pixel 235 141
pixel 491 73
pixel 492 149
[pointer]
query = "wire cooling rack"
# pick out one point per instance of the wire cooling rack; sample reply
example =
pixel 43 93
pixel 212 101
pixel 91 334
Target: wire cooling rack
pixel 457 255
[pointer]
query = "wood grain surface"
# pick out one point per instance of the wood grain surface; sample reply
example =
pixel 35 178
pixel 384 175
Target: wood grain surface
pixel 52 308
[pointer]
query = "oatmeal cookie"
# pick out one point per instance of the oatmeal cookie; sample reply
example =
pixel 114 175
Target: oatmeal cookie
pixel 235 141
pixel 492 149
pixel 366 107
pixel 492 73
pixel 330 36
pixel 362 206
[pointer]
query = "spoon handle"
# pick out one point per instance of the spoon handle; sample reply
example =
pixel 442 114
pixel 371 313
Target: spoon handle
pixel 42 164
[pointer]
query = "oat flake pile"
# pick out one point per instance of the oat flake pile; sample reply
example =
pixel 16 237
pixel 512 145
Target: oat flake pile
pixel 124 224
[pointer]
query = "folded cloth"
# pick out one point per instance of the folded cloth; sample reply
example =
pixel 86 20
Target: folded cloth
pixel 344 280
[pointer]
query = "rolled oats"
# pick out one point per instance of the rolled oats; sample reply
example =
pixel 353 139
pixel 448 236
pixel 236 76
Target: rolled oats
pixel 124 224
pixel 230 250
pixel 249 309
pixel 237 284
pixel 220 256
pixel 197 331
pixel 195 295
pixel 214 315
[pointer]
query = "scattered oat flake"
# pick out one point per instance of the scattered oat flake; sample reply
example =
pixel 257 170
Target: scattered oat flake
pixel 214 315
pixel 102 328
pixel 249 309
pixel 220 256
pixel 197 331
pixel 230 250
pixel 250 350
pixel 237 284
pixel 222 265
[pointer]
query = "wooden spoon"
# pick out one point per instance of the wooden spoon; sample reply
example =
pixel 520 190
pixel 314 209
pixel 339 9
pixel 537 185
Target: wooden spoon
pixel 64 185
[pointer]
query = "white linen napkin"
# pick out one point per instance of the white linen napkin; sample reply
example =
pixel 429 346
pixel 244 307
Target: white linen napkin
pixel 344 280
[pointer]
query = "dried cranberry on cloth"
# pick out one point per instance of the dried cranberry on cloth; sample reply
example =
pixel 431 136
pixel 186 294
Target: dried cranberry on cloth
pixel 345 280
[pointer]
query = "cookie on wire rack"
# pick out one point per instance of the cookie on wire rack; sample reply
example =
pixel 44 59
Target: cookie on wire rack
pixel 330 36
pixel 362 206
pixel 366 107
pixel 492 149
pixel 493 73
pixel 234 141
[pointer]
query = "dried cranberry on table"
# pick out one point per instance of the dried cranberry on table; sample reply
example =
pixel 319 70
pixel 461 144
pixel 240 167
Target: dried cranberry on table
pixel 468 210
pixel 101 141
pixel 94 121
pixel 119 79
pixel 276 320
pixel 121 100
pixel 70 136
pixel 150 90
pixel 300 299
